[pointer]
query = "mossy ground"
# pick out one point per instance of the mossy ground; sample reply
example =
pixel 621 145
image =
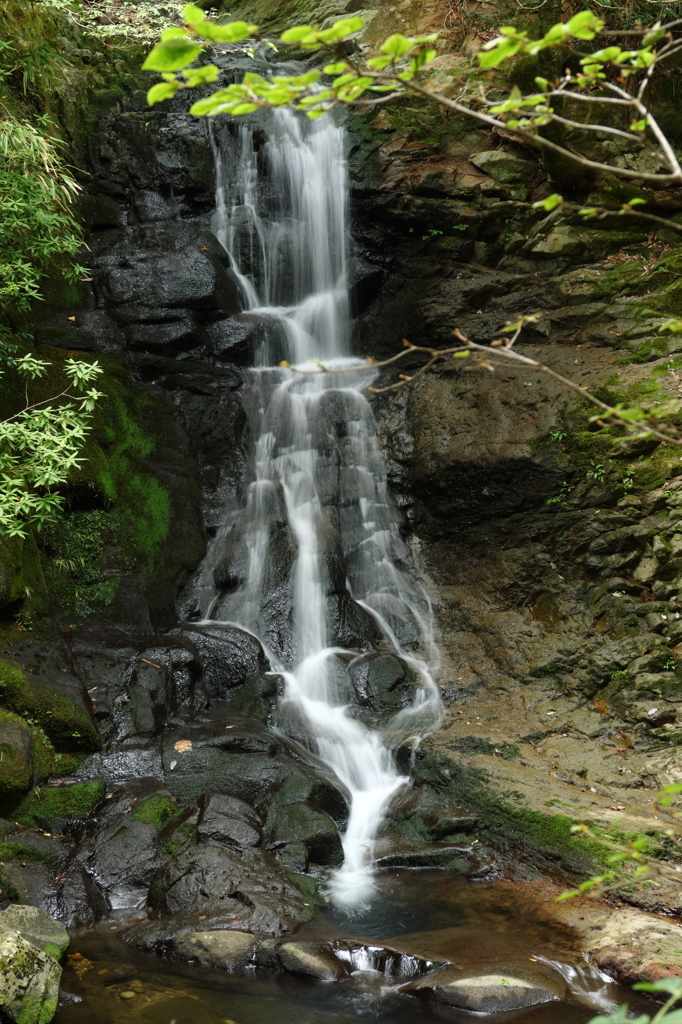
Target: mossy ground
pixel 506 824
pixel 40 807
pixel 156 810
pixel 65 724
pixel 17 852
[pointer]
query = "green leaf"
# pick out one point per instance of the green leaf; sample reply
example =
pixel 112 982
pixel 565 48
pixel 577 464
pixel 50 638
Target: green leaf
pixel 344 79
pixel 173 33
pixel 233 32
pixel 336 69
pixel 174 55
pixel 637 202
pixel 671 985
pixel 193 15
pixel 244 108
pixel 201 76
pixel 379 63
pixel 610 53
pixel 503 49
pixel 550 203
pixel 162 91
pixel 653 36
pixel 346 27
pixel 295 35
pixel 584 25
pixel 461 355
pixel 672 1017
pixel 396 45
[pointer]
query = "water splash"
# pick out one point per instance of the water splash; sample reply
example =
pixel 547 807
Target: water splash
pixel 313 562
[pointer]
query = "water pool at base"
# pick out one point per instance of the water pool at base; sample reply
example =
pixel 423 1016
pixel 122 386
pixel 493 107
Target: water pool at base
pixel 477 927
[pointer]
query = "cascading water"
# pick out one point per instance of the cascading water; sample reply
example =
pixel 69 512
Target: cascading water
pixel 313 562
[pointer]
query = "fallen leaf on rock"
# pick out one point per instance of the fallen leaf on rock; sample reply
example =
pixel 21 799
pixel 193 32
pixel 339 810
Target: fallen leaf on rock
pixel 182 745
pixel 172 765
pixel 105 971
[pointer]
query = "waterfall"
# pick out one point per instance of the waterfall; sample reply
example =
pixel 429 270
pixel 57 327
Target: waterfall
pixel 313 562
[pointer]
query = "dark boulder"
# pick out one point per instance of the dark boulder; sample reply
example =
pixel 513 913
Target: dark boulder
pixel 249 884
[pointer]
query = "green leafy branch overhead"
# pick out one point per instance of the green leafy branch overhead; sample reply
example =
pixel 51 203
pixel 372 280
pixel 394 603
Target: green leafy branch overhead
pixel 609 78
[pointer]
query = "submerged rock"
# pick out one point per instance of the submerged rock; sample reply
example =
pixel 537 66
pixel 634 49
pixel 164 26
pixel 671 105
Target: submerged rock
pixel 488 993
pixel 231 951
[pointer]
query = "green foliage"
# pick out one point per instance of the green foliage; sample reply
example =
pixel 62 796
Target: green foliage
pixel 562 496
pixel 111 20
pixel 37 228
pixel 41 807
pixel 40 445
pixel 115 512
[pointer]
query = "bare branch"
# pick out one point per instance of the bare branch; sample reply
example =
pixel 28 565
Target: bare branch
pixel 501 349
pixel 623 172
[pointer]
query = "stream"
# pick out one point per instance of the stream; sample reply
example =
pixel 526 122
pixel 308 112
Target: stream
pixel 479 925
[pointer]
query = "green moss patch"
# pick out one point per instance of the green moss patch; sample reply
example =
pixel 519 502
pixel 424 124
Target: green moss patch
pixel 156 810
pixel 127 513
pixel 39 808
pixel 17 852
pixel 513 828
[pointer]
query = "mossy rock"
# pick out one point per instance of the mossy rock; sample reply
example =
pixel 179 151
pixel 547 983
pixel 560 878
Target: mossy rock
pixel 18 853
pixel 65 724
pixel 156 810
pixel 299 823
pixel 16 757
pixel 40 807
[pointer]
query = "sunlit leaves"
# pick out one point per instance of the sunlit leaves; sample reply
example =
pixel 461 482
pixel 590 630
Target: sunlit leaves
pixel 162 91
pixel 396 45
pixel 671 325
pixel 173 55
pixel 584 25
pixel 233 32
pixel 310 38
pixel 550 203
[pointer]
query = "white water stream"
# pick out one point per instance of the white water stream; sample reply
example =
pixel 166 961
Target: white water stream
pixel 317 535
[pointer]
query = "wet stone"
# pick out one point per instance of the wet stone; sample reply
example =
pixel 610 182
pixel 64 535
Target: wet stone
pixel 490 993
pixel 228 950
pixel 228 820
pixel 312 960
